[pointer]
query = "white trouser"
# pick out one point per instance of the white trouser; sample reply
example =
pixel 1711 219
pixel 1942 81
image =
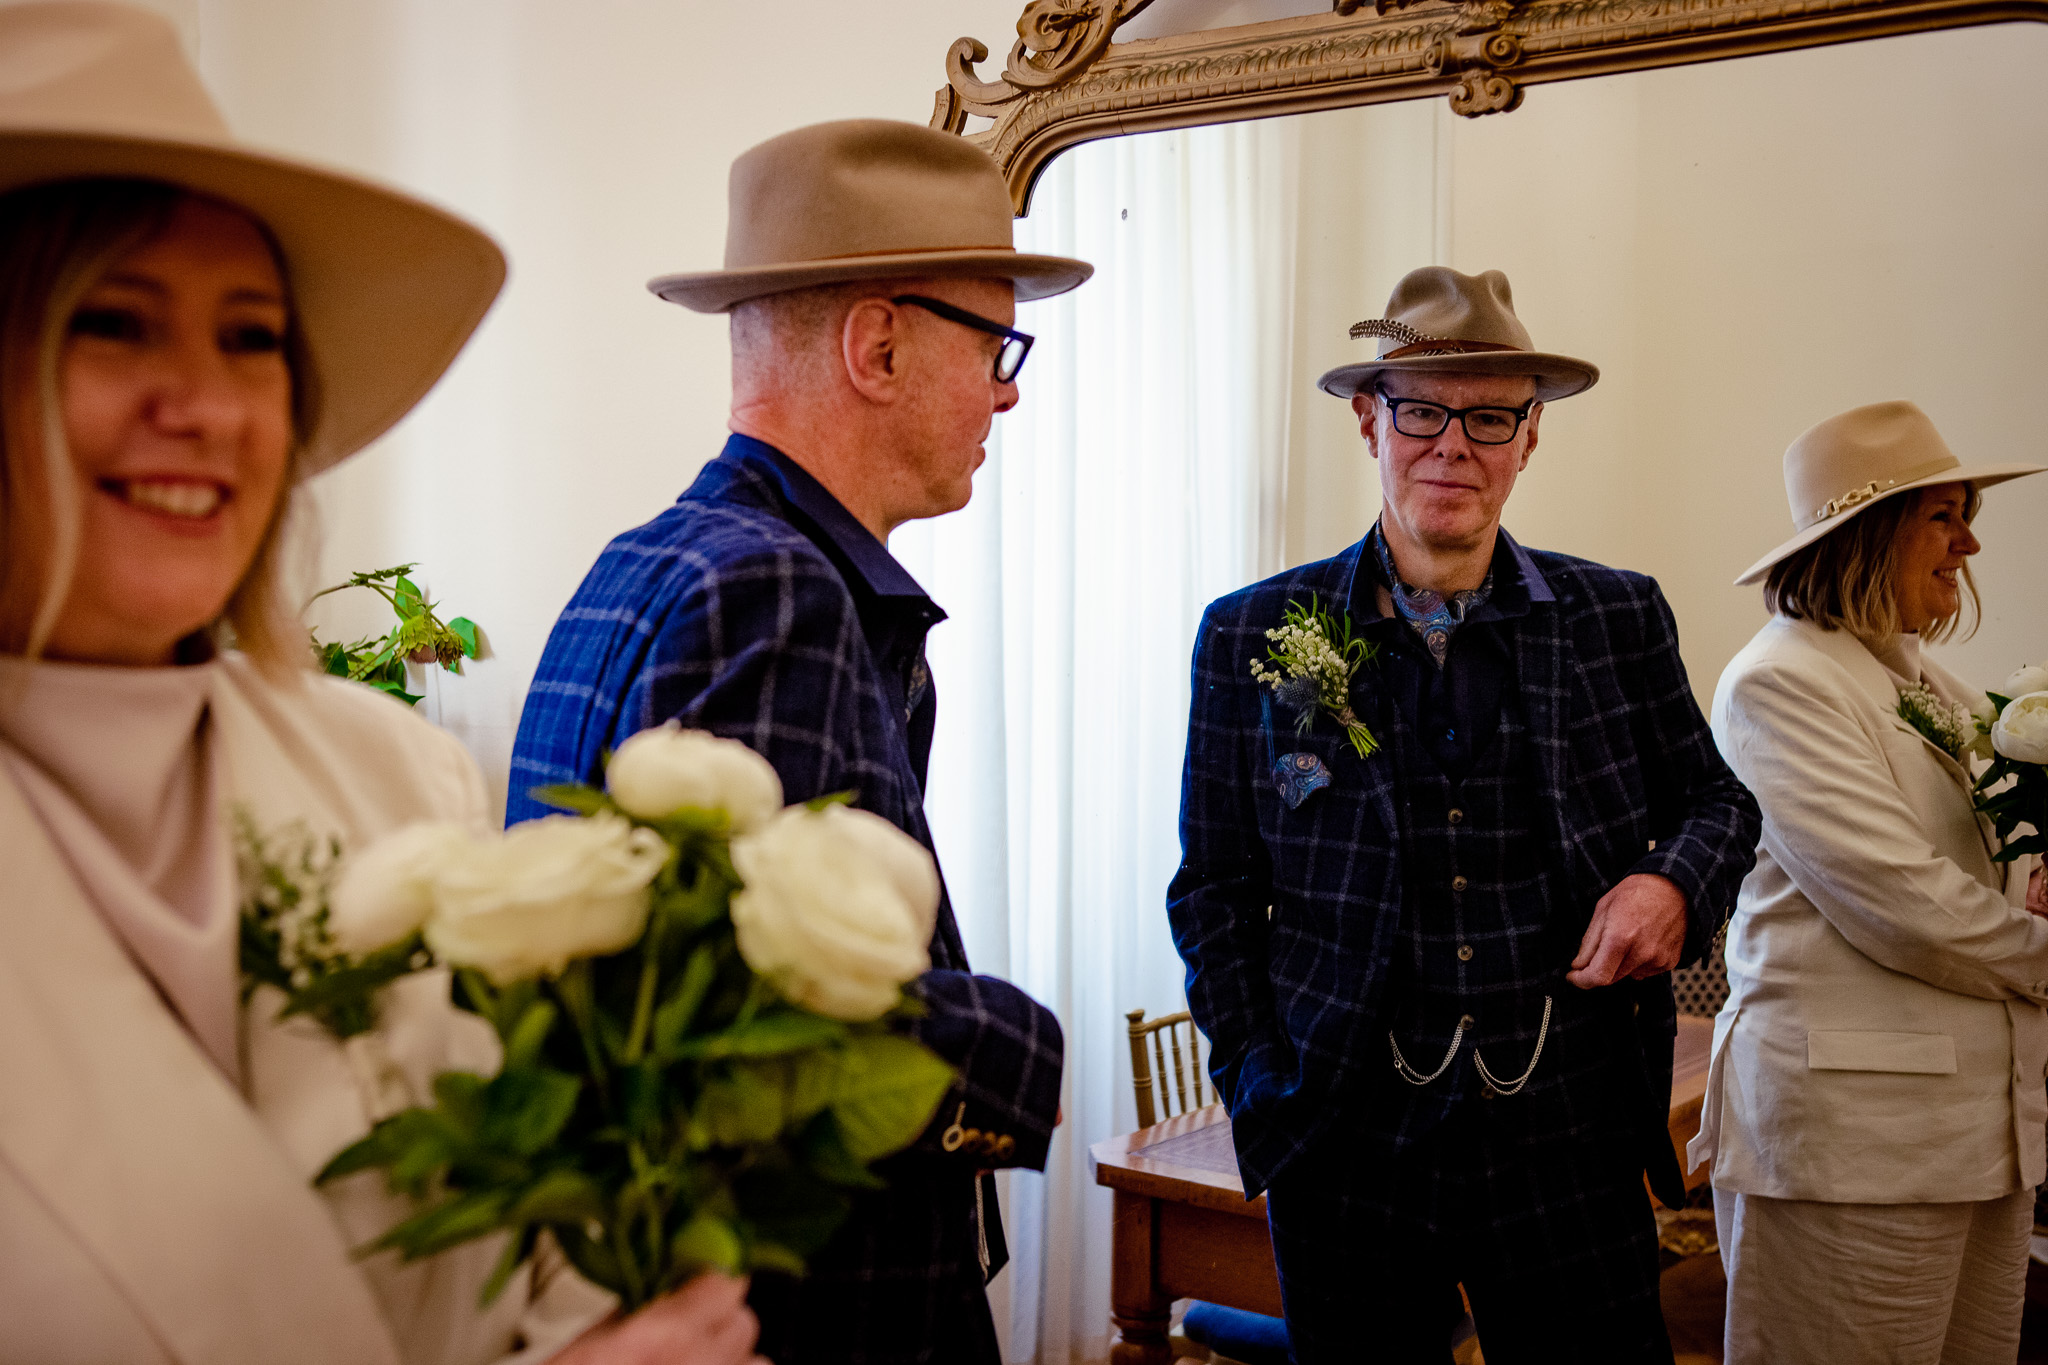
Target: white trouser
pixel 1873 1284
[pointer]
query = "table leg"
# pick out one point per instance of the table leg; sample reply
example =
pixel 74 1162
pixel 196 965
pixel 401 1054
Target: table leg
pixel 1138 1307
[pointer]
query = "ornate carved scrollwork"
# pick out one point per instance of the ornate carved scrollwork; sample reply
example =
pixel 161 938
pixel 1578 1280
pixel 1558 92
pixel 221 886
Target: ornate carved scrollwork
pixel 1057 40
pixel 1066 82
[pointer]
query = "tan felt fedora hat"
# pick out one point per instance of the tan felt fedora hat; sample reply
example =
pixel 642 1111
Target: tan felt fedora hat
pixel 1846 465
pixel 1439 320
pixel 386 289
pixel 866 199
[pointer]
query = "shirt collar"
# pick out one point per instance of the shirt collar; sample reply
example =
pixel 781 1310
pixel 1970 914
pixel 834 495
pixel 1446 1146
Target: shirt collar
pixel 1517 583
pixel 836 530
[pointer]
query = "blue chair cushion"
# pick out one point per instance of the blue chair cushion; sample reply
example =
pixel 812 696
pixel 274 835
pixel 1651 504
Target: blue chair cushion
pixel 1251 1337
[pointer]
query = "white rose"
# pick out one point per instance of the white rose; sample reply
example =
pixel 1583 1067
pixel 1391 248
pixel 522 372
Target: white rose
pixel 2032 678
pixel 386 891
pixel 2021 733
pixel 657 772
pixel 837 910
pixel 545 892
pixel 1977 730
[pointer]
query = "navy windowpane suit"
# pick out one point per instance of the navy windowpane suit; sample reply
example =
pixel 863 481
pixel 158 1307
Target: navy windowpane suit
pixel 1440 883
pixel 757 608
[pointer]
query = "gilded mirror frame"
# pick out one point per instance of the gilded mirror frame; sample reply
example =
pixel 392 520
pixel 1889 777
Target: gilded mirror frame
pixel 1067 81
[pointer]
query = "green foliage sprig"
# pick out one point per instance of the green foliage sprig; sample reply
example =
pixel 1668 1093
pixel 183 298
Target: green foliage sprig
pixel 420 636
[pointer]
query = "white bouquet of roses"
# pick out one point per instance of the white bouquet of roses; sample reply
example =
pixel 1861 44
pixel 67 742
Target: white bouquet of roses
pixel 2015 724
pixel 700 998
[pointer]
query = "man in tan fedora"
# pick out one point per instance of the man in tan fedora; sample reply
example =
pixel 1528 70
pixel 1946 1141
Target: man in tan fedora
pixel 1434 881
pixel 872 285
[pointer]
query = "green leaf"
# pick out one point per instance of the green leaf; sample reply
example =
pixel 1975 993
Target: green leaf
pixel 823 1150
pixel 593 1260
pixel 773 1256
pixel 707 1241
pixel 462 1218
pixel 465 630
pixel 575 797
pixel 814 1082
pixel 411 601
pixel 334 659
pixel 413 1147
pixel 830 799
pixel 527 1107
pixel 560 1196
pixel 888 1092
pixel 461 1098
pixel 673 1018
pixel 529 1035
pixel 746 1106
pixel 517 1250
pixel 770 1035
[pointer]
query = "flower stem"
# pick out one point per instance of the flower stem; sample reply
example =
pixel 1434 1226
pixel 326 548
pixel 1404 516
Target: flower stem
pixel 572 987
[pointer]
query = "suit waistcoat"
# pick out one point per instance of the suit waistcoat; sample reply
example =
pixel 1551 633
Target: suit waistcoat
pixel 1477 941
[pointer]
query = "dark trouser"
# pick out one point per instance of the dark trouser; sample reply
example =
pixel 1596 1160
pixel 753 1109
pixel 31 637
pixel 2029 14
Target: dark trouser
pixel 1555 1245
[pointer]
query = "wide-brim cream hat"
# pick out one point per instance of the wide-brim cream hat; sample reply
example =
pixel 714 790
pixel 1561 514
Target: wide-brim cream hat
pixel 1848 464
pixel 385 289
pixel 865 199
pixel 1441 321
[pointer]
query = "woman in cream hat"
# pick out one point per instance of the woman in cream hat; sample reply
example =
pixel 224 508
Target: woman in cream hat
pixel 189 329
pixel 1875 1110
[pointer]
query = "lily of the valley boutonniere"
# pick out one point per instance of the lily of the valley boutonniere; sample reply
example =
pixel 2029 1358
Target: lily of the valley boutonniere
pixel 1311 663
pixel 1949 727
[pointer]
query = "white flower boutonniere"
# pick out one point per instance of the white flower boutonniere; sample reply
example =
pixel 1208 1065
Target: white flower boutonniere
pixel 1949 727
pixel 1310 667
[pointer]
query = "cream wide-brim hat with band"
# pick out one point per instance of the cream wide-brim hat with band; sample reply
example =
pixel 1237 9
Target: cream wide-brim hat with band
pixel 1440 321
pixel 1848 464
pixel 385 289
pixel 865 199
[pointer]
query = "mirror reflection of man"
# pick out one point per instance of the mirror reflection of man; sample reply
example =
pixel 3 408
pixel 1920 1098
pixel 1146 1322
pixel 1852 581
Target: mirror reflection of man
pixel 1435 978
pixel 873 292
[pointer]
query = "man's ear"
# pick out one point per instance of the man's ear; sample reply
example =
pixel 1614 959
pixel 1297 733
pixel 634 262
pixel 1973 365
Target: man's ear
pixel 871 348
pixel 1367 406
pixel 1529 446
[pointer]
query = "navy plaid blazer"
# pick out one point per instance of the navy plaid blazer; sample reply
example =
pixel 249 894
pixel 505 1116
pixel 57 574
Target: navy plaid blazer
pixel 739 611
pixel 1286 917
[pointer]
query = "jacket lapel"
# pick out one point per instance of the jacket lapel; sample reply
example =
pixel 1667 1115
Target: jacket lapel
pixel 143 1150
pixel 1540 682
pixel 1374 776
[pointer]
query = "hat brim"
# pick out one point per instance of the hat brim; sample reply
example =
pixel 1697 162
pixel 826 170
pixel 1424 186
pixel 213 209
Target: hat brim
pixel 386 289
pixel 1982 476
pixel 720 291
pixel 1557 376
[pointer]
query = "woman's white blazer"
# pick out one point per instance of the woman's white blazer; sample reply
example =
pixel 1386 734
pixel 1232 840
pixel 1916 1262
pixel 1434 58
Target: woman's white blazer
pixel 149 1211
pixel 1884 1039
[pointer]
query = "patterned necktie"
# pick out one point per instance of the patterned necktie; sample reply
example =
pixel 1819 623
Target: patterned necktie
pixel 1430 614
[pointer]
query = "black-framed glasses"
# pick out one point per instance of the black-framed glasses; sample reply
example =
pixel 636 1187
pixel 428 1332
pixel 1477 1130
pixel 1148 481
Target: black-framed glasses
pixel 1486 426
pixel 1009 357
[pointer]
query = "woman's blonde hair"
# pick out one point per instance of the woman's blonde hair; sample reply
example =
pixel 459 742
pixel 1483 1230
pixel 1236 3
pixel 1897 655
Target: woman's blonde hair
pixel 56 241
pixel 1843 581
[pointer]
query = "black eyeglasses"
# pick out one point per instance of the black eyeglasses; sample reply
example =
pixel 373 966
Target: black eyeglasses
pixel 1485 426
pixel 1009 357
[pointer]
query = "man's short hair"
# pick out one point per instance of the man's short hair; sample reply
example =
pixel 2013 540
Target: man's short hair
pixel 1843 581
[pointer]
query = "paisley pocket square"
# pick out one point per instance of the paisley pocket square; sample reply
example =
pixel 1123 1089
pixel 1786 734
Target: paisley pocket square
pixel 1299 776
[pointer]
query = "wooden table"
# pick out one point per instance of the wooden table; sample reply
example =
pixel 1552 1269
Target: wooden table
pixel 1182 1228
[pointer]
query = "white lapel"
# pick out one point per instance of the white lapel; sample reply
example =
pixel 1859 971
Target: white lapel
pixel 146 1153
pixel 1875 682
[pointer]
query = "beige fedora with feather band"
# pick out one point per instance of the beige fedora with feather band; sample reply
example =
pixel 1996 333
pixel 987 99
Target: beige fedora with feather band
pixel 1439 320
pixel 1842 467
pixel 385 289
pixel 865 199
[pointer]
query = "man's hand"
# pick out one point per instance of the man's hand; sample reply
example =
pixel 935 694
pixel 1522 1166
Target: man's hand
pixel 1638 930
pixel 706 1322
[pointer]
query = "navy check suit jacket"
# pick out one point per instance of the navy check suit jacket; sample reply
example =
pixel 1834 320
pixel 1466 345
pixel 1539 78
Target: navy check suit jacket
pixel 724 614
pixel 1286 917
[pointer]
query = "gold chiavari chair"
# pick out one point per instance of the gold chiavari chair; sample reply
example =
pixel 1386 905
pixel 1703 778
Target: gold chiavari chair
pixel 1168 1080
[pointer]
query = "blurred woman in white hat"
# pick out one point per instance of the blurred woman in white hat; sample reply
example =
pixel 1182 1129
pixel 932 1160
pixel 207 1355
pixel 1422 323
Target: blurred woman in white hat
pixel 189 329
pixel 1875 1110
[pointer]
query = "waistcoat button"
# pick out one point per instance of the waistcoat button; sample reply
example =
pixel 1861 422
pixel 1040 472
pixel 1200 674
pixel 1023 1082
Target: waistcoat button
pixel 1456 817
pixel 1464 952
pixel 1459 883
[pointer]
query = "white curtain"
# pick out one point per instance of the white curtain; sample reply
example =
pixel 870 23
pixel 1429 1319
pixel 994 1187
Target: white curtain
pixel 1141 476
